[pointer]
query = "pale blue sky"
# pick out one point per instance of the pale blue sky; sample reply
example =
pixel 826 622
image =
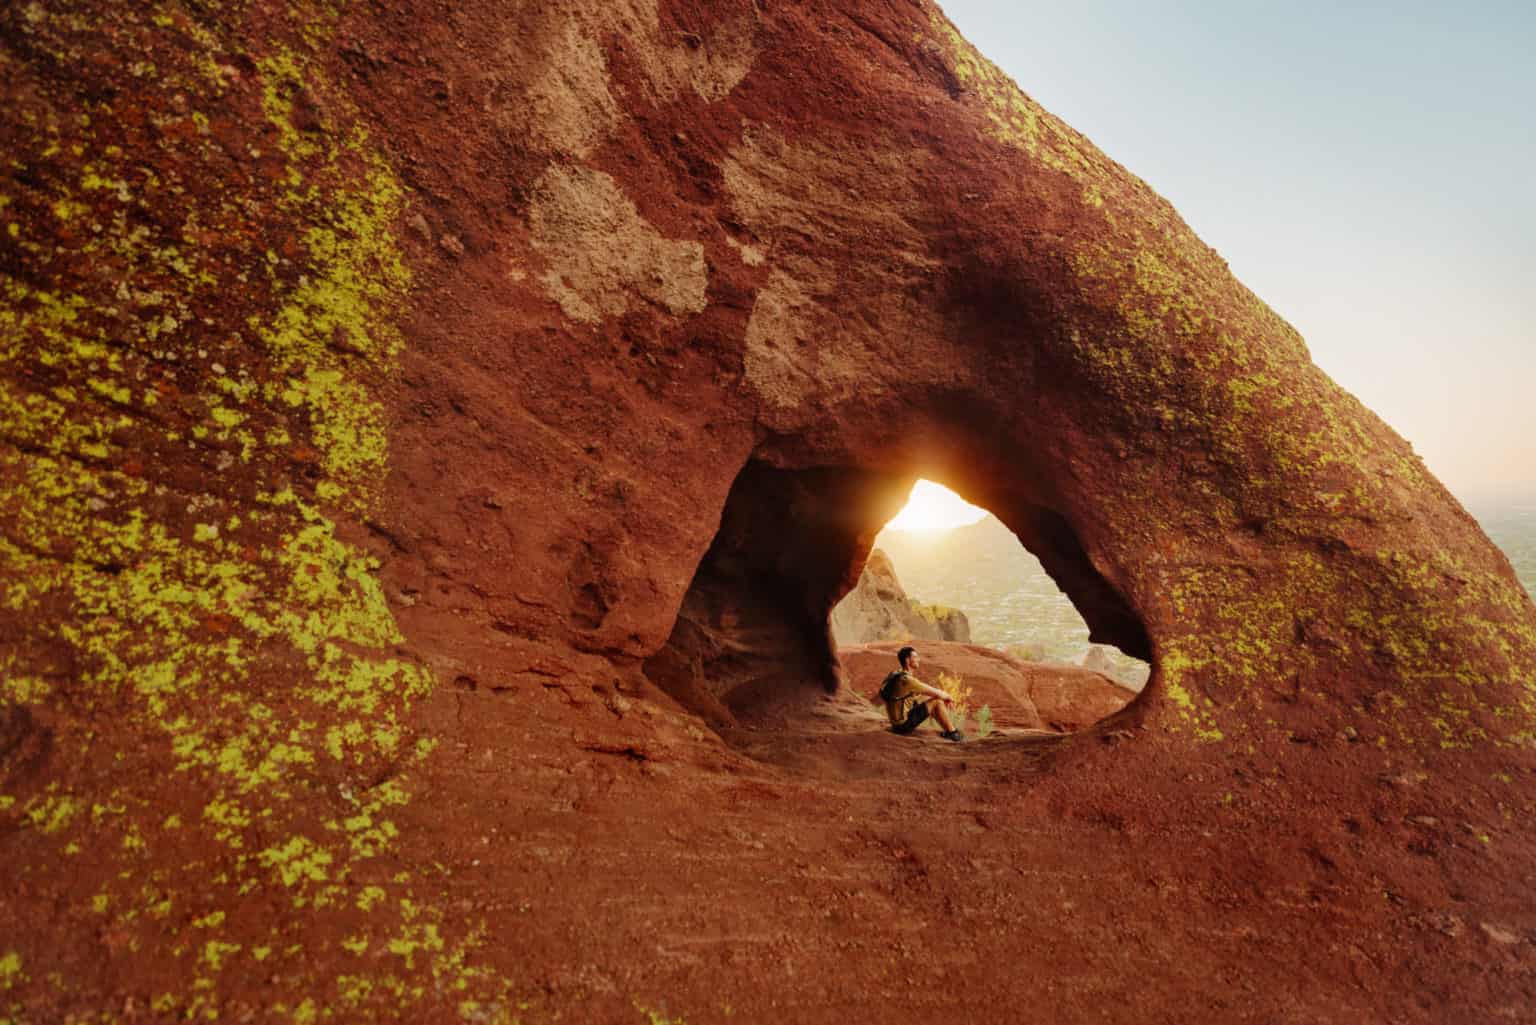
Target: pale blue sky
pixel 1368 169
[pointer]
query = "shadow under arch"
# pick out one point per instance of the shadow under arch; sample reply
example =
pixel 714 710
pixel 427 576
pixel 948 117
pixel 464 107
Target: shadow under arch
pixel 752 644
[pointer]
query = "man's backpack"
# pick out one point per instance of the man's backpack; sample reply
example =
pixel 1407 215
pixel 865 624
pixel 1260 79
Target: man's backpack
pixel 892 683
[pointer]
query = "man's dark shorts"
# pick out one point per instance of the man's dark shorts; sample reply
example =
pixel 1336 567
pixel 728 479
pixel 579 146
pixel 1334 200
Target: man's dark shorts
pixel 915 718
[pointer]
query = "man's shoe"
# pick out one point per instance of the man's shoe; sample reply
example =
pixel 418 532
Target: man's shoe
pixel 954 735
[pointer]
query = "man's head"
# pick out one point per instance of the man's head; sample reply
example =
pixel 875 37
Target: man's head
pixel 907 656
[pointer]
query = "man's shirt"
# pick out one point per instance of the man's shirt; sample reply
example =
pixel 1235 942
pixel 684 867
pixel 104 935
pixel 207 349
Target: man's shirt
pixel 903 695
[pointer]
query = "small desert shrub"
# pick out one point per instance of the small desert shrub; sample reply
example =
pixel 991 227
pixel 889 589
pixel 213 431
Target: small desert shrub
pixel 960 691
pixel 957 688
pixel 963 695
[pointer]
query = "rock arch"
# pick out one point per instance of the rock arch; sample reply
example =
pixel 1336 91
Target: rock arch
pixel 374 384
pixel 752 635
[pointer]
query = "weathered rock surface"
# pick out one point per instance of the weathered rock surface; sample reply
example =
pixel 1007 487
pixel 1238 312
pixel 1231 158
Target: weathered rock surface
pixel 425 430
pixel 1071 699
pixel 878 609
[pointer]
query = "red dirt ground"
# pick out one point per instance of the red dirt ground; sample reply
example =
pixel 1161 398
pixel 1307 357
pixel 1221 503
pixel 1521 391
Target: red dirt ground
pixel 835 872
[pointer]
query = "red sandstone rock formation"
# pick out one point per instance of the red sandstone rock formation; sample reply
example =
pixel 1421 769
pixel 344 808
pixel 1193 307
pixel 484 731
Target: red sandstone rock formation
pixel 1069 698
pixel 878 609
pixel 427 430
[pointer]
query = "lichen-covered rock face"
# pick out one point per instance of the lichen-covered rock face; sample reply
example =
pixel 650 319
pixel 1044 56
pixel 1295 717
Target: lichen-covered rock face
pixel 379 385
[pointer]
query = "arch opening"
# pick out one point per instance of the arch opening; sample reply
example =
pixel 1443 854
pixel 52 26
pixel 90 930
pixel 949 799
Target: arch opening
pixel 752 646
pixel 945 552
pixel 991 623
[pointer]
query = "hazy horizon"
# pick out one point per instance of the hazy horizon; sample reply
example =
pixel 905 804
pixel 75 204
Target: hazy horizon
pixel 1363 170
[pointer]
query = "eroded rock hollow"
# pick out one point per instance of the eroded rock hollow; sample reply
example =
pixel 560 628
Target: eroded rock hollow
pixel 752 636
pixel 426 431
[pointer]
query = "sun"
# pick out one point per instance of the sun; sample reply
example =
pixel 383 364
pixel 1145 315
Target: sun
pixel 934 507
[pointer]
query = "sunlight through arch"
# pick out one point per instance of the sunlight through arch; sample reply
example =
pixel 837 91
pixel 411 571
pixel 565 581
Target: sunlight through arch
pixel 934 507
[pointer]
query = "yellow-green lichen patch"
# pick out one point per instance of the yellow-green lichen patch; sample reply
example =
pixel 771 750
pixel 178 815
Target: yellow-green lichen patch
pixel 297 860
pixel 10 969
pixel 653 1016
pixel 1415 612
pixel 1193 714
pixel 1012 117
pixel 190 362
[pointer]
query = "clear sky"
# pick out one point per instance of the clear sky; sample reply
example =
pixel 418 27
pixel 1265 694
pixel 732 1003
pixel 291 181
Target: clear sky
pixel 1369 169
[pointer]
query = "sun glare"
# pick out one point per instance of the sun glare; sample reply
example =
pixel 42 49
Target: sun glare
pixel 934 507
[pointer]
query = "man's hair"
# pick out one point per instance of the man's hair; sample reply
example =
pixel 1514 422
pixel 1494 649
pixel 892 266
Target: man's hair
pixel 904 654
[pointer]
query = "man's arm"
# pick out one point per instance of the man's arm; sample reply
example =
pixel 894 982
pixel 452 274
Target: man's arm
pixel 923 688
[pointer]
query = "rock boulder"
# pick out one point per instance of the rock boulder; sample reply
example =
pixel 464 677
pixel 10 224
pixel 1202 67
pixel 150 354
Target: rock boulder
pixel 879 609
pixel 1069 698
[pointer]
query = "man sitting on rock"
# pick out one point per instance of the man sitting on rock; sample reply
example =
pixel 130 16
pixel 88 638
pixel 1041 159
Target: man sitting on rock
pixel 910 702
